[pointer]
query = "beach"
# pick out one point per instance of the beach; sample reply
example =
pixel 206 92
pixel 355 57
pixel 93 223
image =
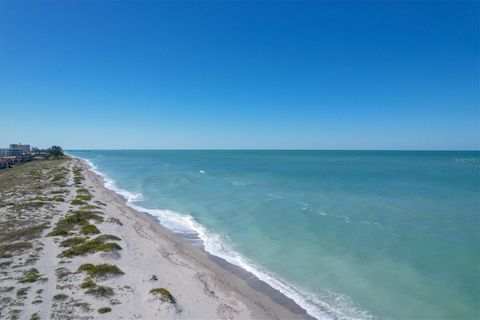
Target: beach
pixel 240 235
pixel 111 261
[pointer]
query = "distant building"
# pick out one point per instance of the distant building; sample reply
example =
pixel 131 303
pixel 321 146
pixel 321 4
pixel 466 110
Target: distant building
pixel 24 147
pixel 9 152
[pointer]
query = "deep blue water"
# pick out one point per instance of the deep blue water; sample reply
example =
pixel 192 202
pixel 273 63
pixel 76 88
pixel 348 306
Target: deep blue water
pixel 355 234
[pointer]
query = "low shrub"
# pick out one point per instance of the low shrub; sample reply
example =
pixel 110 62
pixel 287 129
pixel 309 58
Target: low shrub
pixel 4 255
pixel 92 246
pixel 5 249
pixel 89 229
pixel 83 197
pixel 106 237
pixel 85 307
pixel 101 292
pixel 163 294
pixel 28 233
pixel 30 276
pixel 60 297
pixel 77 202
pixel 90 207
pixel 59 231
pixel 100 270
pixel 22 292
pixel 83 190
pixel 60 191
pixel 88 283
pixel 62 273
pixel 89 247
pixel 89 215
pixel 104 310
pixel 73 241
pixel 78 217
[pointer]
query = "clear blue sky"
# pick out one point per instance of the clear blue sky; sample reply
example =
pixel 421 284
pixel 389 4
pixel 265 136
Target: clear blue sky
pixel 149 74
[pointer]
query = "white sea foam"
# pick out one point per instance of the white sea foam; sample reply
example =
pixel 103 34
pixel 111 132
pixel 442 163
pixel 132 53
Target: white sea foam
pixel 110 184
pixel 215 245
pixel 201 171
pixel 305 206
pixel 273 196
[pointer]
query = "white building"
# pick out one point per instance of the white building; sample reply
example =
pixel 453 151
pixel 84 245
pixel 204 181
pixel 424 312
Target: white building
pixel 10 152
pixel 24 147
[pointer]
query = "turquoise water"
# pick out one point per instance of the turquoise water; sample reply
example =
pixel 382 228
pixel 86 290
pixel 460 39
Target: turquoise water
pixel 346 234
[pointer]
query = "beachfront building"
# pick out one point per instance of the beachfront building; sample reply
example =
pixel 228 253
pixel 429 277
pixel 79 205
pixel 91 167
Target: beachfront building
pixel 8 161
pixel 16 154
pixel 10 152
pixel 24 147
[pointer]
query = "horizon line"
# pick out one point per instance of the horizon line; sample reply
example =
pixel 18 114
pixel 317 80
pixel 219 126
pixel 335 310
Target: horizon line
pixel 263 149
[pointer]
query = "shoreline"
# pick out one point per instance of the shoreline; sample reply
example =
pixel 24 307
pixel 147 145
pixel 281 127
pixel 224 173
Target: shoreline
pixel 255 292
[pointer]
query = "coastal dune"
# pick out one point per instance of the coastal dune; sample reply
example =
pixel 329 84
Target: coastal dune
pixel 99 258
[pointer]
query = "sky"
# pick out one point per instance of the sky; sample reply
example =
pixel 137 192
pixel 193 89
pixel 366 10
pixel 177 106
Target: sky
pixel 240 75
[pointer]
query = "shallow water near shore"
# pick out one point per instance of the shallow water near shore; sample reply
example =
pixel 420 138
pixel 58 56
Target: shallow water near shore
pixel 345 234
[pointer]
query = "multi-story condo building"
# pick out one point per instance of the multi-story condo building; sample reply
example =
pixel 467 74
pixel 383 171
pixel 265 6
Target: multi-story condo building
pixel 24 147
pixel 10 152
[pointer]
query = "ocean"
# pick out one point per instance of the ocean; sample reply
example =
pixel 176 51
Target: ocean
pixel 345 234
